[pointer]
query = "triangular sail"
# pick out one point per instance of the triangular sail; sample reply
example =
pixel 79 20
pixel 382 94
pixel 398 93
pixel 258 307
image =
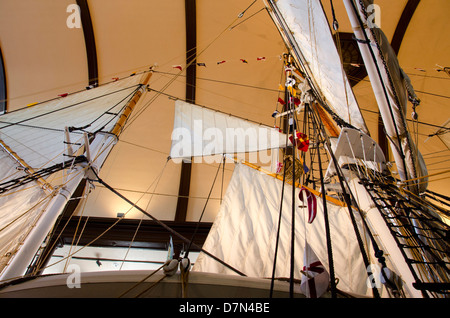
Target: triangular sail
pixel 305 29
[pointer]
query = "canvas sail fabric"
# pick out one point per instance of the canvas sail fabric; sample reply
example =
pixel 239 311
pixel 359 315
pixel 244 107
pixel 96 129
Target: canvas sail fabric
pixel 199 131
pixel 36 135
pixel 306 28
pixel 244 233
pixel 392 100
pixel 19 210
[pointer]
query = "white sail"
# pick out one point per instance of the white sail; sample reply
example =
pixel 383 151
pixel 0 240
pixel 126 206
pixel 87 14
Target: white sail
pixel 19 209
pixel 392 88
pixel 307 34
pixel 199 131
pixel 355 147
pixel 245 229
pixel 35 138
pixel 36 133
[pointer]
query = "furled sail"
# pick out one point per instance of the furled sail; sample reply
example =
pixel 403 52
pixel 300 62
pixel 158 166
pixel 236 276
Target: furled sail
pixel 245 229
pixel 392 89
pixel 305 29
pixel 199 131
pixel 41 163
pixel 353 147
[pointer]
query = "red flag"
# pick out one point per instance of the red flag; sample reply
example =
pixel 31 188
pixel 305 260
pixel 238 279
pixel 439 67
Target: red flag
pixel 115 79
pixel 316 279
pixel 244 61
pixel 262 58
pixel 281 101
pixel 221 62
pixel 178 67
pixel 301 141
pixel 63 95
pixel 312 203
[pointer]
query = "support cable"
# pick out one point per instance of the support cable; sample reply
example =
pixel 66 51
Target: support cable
pixel 325 214
pixel 186 240
pixel 279 226
pixel 203 211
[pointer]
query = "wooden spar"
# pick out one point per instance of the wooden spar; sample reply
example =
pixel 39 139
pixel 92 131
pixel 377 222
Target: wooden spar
pixel 329 125
pixel 298 185
pixel 47 187
pixel 118 127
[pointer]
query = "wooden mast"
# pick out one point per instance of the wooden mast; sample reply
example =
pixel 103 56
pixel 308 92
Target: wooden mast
pixel 118 127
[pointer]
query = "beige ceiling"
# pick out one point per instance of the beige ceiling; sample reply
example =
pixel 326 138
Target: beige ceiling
pixel 43 57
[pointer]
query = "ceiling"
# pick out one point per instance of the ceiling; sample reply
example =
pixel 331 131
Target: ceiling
pixel 43 56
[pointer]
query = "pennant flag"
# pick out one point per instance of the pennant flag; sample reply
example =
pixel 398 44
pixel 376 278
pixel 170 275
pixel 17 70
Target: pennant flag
pixel 132 74
pixel 354 65
pixel 420 69
pixel 244 61
pixel 305 168
pixel 32 104
pixel 312 203
pixel 63 95
pixel 301 141
pixel 262 58
pixel 279 167
pixel 177 67
pixel 201 64
pixel 221 62
pixel 281 101
pixel 115 79
pixel 315 279
pixel 280 87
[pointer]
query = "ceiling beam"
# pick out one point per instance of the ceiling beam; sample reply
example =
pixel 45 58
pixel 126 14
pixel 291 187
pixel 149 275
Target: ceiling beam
pixel 89 40
pixel 403 23
pixel 191 56
pixel 396 41
pixel 3 92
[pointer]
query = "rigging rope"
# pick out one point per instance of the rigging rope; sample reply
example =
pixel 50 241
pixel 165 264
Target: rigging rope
pixel 164 225
pixel 192 61
pixel 272 282
pixel 325 209
pixel 203 211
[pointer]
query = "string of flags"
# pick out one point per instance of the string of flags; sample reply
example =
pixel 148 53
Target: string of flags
pixel 244 61
pixel 438 68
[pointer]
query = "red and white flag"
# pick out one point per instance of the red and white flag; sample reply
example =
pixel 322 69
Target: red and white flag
pixel 315 279
pixel 311 201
